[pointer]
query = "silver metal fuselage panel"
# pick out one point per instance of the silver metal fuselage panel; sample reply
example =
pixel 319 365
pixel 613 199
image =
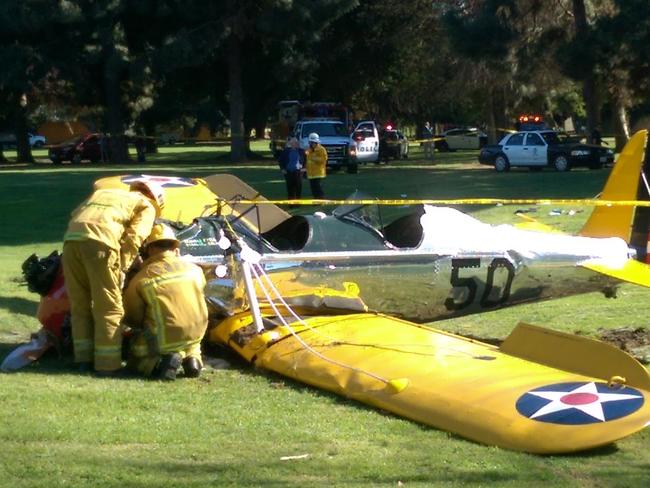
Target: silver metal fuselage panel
pixel 417 285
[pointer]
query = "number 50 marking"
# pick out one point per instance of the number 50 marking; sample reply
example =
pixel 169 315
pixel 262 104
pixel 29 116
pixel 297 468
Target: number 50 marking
pixel 472 285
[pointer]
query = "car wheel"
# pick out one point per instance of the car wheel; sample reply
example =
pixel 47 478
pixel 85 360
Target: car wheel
pixel 444 147
pixel 353 168
pixel 561 163
pixel 56 160
pixel 76 159
pixel 38 144
pixel 501 164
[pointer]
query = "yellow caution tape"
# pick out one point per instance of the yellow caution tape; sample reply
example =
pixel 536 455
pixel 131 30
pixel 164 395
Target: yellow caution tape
pixel 459 201
pixel 432 139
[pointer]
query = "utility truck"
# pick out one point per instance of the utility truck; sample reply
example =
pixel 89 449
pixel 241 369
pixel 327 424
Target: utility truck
pixel 329 120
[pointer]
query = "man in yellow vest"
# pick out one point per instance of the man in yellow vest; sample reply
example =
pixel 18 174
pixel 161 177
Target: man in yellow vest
pixel 316 156
pixel 164 304
pixel 103 238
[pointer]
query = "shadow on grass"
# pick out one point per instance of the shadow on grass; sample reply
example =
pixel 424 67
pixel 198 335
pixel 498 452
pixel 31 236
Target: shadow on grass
pixel 214 469
pixel 18 305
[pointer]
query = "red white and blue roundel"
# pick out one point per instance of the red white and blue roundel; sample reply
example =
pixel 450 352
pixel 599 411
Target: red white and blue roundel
pixel 579 403
pixel 164 181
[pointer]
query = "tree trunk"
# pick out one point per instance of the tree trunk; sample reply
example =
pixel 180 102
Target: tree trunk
pixel 237 143
pixel 620 122
pixel 260 128
pixel 589 82
pixel 113 67
pixel 491 118
pixel 592 102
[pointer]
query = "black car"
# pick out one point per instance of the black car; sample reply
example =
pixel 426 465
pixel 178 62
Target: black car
pixel 541 149
pixel 393 144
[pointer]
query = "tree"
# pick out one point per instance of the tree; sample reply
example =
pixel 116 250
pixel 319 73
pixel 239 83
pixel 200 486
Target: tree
pixel 28 48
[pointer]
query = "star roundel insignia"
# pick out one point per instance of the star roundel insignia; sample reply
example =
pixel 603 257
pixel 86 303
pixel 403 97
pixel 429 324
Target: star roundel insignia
pixel 579 403
pixel 164 181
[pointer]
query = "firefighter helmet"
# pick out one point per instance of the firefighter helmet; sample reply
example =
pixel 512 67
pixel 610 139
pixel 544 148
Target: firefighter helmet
pixel 153 192
pixel 161 232
pixel 313 137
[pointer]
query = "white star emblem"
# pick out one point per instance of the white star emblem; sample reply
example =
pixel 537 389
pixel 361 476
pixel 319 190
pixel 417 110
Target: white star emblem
pixel 585 398
pixel 161 180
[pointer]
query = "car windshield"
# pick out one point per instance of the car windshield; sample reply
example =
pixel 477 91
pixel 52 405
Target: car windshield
pixel 365 214
pixel 324 129
pixel 551 137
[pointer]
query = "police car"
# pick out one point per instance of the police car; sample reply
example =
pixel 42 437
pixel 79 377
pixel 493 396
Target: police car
pixel 539 149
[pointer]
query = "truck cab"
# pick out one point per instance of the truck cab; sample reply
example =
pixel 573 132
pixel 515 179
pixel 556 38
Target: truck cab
pixel 333 137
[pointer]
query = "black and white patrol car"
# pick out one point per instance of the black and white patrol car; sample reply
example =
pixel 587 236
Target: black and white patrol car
pixel 541 149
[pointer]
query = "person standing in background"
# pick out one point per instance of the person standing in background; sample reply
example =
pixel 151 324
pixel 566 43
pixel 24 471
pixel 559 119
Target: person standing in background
pixel 316 157
pixel 292 161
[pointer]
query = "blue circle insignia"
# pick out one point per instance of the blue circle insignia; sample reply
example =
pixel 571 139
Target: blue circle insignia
pixel 579 403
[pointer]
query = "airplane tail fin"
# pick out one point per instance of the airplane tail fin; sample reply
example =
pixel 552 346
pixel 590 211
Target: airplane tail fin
pixel 625 182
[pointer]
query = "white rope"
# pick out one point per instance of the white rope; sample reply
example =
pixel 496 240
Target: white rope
pixel 300 340
pixel 277 293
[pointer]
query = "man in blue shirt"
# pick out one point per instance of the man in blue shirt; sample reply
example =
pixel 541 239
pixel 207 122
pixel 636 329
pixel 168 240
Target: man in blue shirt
pixel 292 161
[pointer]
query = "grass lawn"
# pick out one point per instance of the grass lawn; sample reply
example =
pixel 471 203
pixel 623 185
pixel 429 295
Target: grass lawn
pixel 233 426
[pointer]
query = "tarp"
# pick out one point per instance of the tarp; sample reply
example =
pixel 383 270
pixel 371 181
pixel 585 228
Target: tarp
pixel 57 132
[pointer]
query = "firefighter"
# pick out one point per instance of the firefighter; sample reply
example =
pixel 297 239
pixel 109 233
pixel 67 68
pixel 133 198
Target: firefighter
pixel 103 238
pixel 165 306
pixel 316 157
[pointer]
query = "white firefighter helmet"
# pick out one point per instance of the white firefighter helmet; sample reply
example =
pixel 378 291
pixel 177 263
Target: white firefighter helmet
pixel 153 192
pixel 161 232
pixel 313 137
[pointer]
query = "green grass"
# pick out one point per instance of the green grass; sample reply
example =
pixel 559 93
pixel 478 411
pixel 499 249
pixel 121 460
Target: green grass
pixel 233 426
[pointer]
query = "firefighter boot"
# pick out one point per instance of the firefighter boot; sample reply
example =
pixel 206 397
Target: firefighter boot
pixel 192 367
pixel 168 366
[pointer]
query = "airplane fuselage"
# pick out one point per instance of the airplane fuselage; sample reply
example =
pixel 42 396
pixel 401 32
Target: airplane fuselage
pixel 420 286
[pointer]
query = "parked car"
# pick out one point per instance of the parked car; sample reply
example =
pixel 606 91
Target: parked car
pixel 461 138
pixel 8 139
pixel 393 144
pixel 541 149
pixel 86 147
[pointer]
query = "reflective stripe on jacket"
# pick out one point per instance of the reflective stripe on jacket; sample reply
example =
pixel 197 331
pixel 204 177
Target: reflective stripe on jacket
pixel 166 297
pixel 316 161
pixel 120 219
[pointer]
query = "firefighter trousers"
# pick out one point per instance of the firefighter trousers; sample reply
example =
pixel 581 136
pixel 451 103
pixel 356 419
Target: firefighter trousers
pixel 93 281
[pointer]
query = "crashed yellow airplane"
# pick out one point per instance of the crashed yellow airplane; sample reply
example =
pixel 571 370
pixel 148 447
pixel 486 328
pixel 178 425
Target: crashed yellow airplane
pixel 292 298
pixel 431 264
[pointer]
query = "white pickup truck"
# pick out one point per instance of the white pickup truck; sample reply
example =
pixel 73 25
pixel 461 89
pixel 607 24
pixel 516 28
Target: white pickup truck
pixel 334 138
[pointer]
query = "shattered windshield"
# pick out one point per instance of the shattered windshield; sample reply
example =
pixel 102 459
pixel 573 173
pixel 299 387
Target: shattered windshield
pixel 366 214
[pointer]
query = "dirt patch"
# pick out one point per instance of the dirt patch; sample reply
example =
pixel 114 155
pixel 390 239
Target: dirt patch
pixel 633 341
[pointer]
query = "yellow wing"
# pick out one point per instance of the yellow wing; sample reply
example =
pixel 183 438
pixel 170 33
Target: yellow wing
pixel 567 397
